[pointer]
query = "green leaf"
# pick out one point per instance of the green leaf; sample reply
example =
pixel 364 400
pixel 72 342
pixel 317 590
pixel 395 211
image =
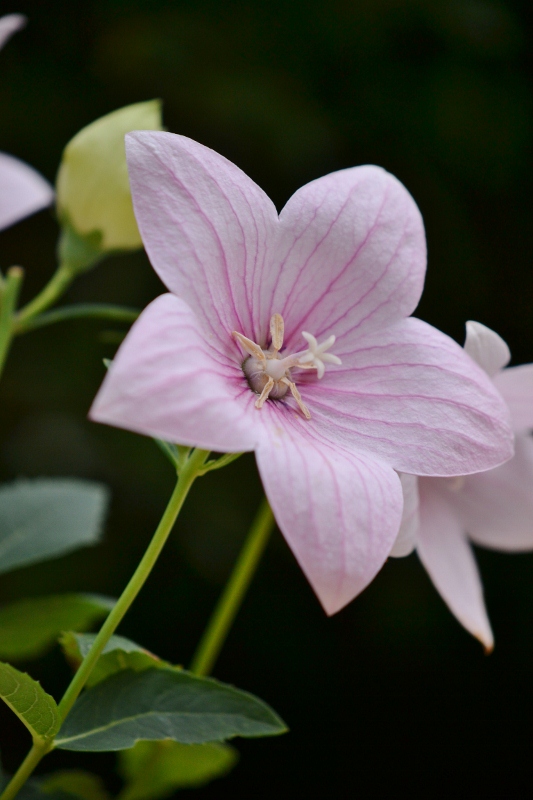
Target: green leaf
pixel 32 791
pixel 29 627
pixel 157 769
pixel 76 783
pixel 118 654
pixel 45 517
pixel 28 700
pixel 163 703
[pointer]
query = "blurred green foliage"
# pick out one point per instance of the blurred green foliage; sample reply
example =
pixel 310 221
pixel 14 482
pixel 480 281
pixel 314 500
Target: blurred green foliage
pixel 440 93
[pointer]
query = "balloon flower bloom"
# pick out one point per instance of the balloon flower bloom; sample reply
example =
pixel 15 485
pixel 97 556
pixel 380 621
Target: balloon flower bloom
pixel 22 190
pixel 289 335
pixel 493 509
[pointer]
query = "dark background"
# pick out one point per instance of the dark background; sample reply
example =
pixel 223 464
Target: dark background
pixel 390 694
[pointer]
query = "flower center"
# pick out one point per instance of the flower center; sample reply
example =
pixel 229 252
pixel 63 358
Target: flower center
pixel 269 374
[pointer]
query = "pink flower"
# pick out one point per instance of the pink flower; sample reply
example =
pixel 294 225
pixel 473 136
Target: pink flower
pixel 232 360
pixel 22 190
pixel 493 509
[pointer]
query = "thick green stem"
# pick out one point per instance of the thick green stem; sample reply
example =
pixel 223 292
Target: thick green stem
pixel 25 770
pixel 56 286
pixel 191 469
pixel 8 302
pixel 82 311
pixel 230 601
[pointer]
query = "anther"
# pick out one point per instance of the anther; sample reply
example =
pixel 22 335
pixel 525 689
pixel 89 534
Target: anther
pixel 277 330
pixel 297 396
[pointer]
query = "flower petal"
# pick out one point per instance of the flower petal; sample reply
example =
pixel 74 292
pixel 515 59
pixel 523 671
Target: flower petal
pixel 496 507
pixel 516 386
pixel 339 511
pixel 166 382
pixel 22 191
pixel 10 24
pixel 351 257
pixel 412 396
pixel 407 535
pixel 486 347
pixel 450 563
pixel 205 226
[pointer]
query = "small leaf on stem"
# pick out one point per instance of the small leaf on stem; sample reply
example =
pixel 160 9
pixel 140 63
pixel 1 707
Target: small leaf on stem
pixel 163 703
pixel 118 654
pixel 28 700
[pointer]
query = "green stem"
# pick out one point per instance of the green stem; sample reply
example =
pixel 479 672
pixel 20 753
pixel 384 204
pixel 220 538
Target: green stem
pixel 187 476
pixel 18 780
pixel 189 473
pixel 230 601
pixel 56 286
pixel 8 302
pixel 82 311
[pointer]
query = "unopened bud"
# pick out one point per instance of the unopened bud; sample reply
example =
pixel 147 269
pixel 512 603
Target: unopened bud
pixel 93 192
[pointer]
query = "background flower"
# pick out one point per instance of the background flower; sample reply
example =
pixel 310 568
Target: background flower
pixel 22 190
pixel 493 509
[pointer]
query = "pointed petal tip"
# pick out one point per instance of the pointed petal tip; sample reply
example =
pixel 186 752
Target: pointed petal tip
pixel 332 607
pixel 23 191
pixel 487 647
pixel 486 348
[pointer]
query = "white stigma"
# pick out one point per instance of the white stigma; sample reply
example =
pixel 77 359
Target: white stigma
pixel 269 375
pixel 316 355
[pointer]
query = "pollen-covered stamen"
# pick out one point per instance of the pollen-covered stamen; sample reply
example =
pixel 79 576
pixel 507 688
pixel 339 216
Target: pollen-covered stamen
pixel 269 385
pixel 250 347
pixel 269 375
pixel 277 331
pixel 298 397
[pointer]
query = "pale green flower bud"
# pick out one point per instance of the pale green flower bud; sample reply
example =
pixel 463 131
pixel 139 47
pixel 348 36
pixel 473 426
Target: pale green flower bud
pixel 93 193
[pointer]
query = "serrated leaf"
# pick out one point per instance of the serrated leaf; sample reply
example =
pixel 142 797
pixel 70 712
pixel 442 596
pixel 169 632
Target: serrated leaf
pixel 45 517
pixel 28 700
pixel 157 769
pixel 118 654
pixel 163 703
pixel 76 783
pixel 29 627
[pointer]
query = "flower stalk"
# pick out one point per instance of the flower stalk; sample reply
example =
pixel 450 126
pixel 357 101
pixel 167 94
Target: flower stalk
pixel 56 286
pixel 9 294
pixel 231 599
pixel 105 311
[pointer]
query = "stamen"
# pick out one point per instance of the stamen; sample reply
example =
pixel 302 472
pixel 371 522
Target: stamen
pixel 277 330
pixel 269 385
pixel 250 347
pixel 298 397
